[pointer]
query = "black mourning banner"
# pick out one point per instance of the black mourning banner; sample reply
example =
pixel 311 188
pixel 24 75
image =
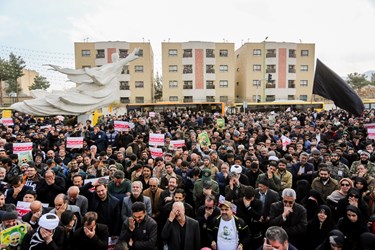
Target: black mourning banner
pixel 331 86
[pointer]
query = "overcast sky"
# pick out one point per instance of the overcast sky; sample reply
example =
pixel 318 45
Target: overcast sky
pixel 44 31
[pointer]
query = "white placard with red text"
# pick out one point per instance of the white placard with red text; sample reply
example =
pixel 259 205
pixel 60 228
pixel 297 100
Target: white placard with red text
pixel 7 121
pixel 156 139
pixel 156 152
pixel 22 147
pixel 178 143
pixel 123 126
pixel 151 114
pixel 74 142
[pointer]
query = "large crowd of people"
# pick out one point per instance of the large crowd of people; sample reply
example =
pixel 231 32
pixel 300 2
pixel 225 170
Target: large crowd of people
pixel 278 180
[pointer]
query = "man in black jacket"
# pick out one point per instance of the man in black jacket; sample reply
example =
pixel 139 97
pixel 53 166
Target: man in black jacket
pixel 92 235
pixel 140 230
pixel 181 231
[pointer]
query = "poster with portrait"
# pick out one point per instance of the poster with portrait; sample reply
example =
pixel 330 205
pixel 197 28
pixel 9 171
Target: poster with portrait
pixel 204 140
pixel 13 236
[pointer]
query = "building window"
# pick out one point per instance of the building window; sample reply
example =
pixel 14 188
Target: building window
pixel 304 52
pixel 188 85
pixel 303 98
pixel 187 53
pixel 188 99
pixel 139 68
pixel 271 53
pixel 210 69
pixel 292 53
pixel 173 98
pixel 292 69
pixel 172 68
pixel 303 83
pixel 188 69
pixel 223 84
pixel 256 83
pixel 270 98
pixel 271 68
pixel 257 67
pixel 125 70
pixel 173 84
pixel 223 68
pixel 124 85
pixel 210 53
pixel 224 98
pixel 172 52
pixel 123 53
pixel 210 85
pixel 100 53
pixel 139 84
pixel 304 67
pixel 210 98
pixel 291 84
pixel 140 53
pixel 85 53
pixel 223 53
pixel 257 52
pixel 124 100
pixel 290 97
pixel 139 99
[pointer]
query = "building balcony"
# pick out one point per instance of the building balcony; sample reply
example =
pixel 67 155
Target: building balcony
pixel 270 55
pixel 210 87
pixel 124 87
pixel 100 56
pixel 270 70
pixel 187 87
pixel 270 85
pixel 292 70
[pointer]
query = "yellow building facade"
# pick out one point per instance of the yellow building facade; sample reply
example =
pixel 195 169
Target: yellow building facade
pixel 198 72
pixel 274 71
pixel 136 79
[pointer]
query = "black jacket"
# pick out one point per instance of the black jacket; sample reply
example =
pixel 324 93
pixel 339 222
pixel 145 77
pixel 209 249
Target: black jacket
pixel 144 235
pixel 100 240
pixel 171 234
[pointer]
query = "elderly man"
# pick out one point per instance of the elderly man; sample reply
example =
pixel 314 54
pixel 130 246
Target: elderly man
pixel 289 215
pixel 36 211
pixel 78 200
pixel 181 231
pixel 49 187
pixel 228 231
pixel 136 195
pixel 153 192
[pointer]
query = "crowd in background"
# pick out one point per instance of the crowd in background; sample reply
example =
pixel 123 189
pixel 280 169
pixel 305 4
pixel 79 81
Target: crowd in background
pixel 284 180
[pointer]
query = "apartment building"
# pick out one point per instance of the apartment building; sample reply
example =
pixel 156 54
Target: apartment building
pixel 136 79
pixel 269 71
pixel 198 71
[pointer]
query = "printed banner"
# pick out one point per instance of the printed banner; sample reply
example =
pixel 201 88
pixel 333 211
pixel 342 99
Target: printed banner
pixel 156 152
pixel 22 208
pixel 369 125
pixel 13 236
pixel 123 126
pixel 220 122
pixel 178 143
pixel 7 113
pixel 285 141
pixel 7 121
pixel 24 157
pixel 22 147
pixel 151 114
pixel 95 179
pixel 156 139
pixel 203 139
pixel 74 142
pixel 371 133
pixel 49 126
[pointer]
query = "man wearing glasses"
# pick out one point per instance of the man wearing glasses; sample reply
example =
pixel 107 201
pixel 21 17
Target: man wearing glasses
pixel 289 215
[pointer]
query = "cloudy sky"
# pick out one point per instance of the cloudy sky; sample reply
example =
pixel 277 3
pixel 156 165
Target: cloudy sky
pixel 44 31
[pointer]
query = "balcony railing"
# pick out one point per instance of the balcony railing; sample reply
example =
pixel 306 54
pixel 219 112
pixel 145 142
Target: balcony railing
pixel 270 54
pixel 100 55
pixel 124 87
pixel 293 55
pixel 291 85
pixel 187 54
pixel 292 70
pixel 270 70
pixel 210 87
pixel 187 87
pixel 270 85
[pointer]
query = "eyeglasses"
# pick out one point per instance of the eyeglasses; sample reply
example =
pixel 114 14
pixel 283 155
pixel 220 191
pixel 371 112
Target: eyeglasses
pixel 345 185
pixel 288 202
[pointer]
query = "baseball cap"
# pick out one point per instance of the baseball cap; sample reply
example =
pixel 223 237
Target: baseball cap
pixel 206 175
pixel 226 203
